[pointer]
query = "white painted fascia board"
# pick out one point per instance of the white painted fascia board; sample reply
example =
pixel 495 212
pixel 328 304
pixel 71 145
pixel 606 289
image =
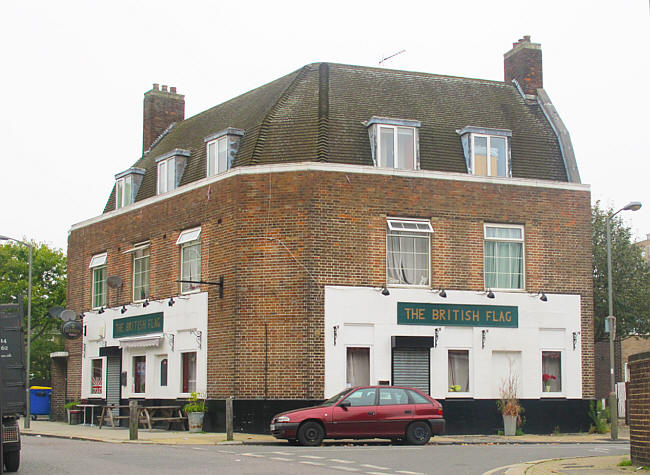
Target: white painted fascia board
pixel 334 168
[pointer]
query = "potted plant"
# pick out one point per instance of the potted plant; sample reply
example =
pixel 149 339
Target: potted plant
pixel 546 379
pixel 509 405
pixel 195 410
pixel 70 409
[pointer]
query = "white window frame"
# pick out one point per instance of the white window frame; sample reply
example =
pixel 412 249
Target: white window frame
pixel 489 138
pixel 122 198
pixel 189 238
pixel 147 389
pixel 405 227
pixel 562 372
pixel 181 374
pixel 370 357
pixel 164 167
pixel 216 143
pixel 470 376
pixel 395 129
pixel 523 253
pixel 101 395
pixel 98 263
pixel 135 251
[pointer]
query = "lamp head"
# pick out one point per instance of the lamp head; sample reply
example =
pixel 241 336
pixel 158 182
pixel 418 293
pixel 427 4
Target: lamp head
pixel 385 291
pixel 631 206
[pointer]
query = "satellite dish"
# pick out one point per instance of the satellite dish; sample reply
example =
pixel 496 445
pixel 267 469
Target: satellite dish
pixel 113 281
pixel 67 315
pixel 55 312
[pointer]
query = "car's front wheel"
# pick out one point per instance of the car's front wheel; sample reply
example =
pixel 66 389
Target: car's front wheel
pixel 311 434
pixel 418 433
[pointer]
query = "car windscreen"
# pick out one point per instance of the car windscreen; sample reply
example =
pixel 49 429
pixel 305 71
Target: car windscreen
pixel 336 398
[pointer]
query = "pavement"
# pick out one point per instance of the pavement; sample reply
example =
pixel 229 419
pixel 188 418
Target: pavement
pixel 574 466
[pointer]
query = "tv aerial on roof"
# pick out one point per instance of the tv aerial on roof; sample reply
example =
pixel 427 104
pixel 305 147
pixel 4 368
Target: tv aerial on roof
pixel 381 61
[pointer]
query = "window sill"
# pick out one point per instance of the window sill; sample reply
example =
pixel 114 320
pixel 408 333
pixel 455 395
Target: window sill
pixel 454 394
pixel 521 291
pixel 552 395
pixel 408 286
pixel 193 291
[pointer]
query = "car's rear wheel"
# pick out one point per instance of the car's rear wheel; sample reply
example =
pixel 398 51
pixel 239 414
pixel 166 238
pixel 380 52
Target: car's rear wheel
pixel 12 461
pixel 311 434
pixel 418 433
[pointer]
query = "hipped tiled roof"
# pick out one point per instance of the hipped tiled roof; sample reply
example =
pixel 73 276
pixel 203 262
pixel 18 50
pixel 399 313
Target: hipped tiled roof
pixel 317 114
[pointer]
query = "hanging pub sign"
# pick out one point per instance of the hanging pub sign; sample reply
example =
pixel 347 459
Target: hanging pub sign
pixel 140 325
pixel 72 329
pixel 460 315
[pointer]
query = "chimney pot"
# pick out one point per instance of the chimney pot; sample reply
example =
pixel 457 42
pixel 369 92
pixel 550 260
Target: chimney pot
pixel 172 89
pixel 155 86
pixel 164 88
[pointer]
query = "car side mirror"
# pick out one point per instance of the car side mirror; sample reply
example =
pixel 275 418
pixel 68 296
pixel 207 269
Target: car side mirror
pixel 345 405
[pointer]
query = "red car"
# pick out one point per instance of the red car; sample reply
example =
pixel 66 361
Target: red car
pixel 392 412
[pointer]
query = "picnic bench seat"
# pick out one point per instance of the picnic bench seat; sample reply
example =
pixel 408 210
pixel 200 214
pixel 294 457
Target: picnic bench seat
pixel 148 415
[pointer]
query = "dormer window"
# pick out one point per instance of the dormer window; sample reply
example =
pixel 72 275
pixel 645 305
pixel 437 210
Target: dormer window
pixel 127 184
pixel 394 142
pixel 170 169
pixel 221 149
pixel 487 151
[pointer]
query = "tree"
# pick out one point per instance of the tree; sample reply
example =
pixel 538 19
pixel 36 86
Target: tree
pixel 48 290
pixel 630 278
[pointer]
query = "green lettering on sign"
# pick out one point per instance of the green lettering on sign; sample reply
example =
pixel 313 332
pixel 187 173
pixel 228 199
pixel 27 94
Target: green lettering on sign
pixel 140 325
pixel 459 315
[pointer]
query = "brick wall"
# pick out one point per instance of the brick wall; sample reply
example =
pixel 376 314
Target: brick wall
pixel 58 368
pixel 278 238
pixel 602 367
pixel 639 404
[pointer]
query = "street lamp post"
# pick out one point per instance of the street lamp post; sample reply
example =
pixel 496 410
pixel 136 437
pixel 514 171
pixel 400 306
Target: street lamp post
pixel 613 404
pixel 29 327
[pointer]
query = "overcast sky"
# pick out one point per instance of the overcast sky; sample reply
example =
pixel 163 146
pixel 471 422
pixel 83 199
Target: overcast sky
pixel 74 74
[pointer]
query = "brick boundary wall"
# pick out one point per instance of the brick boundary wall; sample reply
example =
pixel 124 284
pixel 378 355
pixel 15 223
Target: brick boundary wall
pixel 58 369
pixel 639 399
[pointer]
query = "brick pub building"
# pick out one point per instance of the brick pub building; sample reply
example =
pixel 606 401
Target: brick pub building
pixel 344 225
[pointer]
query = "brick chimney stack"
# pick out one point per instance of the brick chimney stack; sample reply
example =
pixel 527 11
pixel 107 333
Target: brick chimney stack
pixel 524 63
pixel 161 109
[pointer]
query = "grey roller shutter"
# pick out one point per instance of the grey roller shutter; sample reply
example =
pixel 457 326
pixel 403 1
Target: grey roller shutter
pixel 411 367
pixel 113 384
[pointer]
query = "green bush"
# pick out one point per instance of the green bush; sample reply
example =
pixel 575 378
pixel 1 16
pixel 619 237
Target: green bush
pixel 71 404
pixel 598 416
pixel 194 404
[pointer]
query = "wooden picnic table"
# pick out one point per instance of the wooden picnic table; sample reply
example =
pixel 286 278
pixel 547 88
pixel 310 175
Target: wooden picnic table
pixel 168 414
pixel 146 415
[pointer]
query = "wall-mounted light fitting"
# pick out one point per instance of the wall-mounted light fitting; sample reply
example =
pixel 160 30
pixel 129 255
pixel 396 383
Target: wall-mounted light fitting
pixel 170 337
pixel 489 294
pixel 575 340
pixel 541 294
pixel 145 304
pixel 197 334
pixel 101 310
pixel 384 291
pixel 336 333
pixel 171 302
pixel 440 292
pixel 123 309
pixel 483 338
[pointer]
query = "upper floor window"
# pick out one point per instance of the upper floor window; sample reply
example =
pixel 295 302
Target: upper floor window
pixel 504 256
pixel 98 268
pixel 170 169
pixel 141 271
pixel 123 191
pixel 190 243
pixel 487 151
pixel 394 142
pixel 221 149
pixel 407 252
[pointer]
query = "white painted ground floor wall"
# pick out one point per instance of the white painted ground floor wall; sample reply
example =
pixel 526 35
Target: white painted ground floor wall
pixel 363 317
pixel 184 330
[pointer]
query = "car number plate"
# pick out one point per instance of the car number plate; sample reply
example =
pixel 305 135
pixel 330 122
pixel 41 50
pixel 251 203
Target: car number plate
pixel 272 426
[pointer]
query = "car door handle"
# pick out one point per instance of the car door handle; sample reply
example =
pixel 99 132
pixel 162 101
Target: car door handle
pixel 407 412
pixel 371 413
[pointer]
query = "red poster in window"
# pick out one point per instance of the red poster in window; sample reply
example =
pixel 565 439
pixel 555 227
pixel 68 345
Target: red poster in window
pixel 96 387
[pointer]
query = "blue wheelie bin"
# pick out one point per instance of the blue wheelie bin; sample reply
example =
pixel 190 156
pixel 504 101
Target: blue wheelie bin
pixel 39 401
